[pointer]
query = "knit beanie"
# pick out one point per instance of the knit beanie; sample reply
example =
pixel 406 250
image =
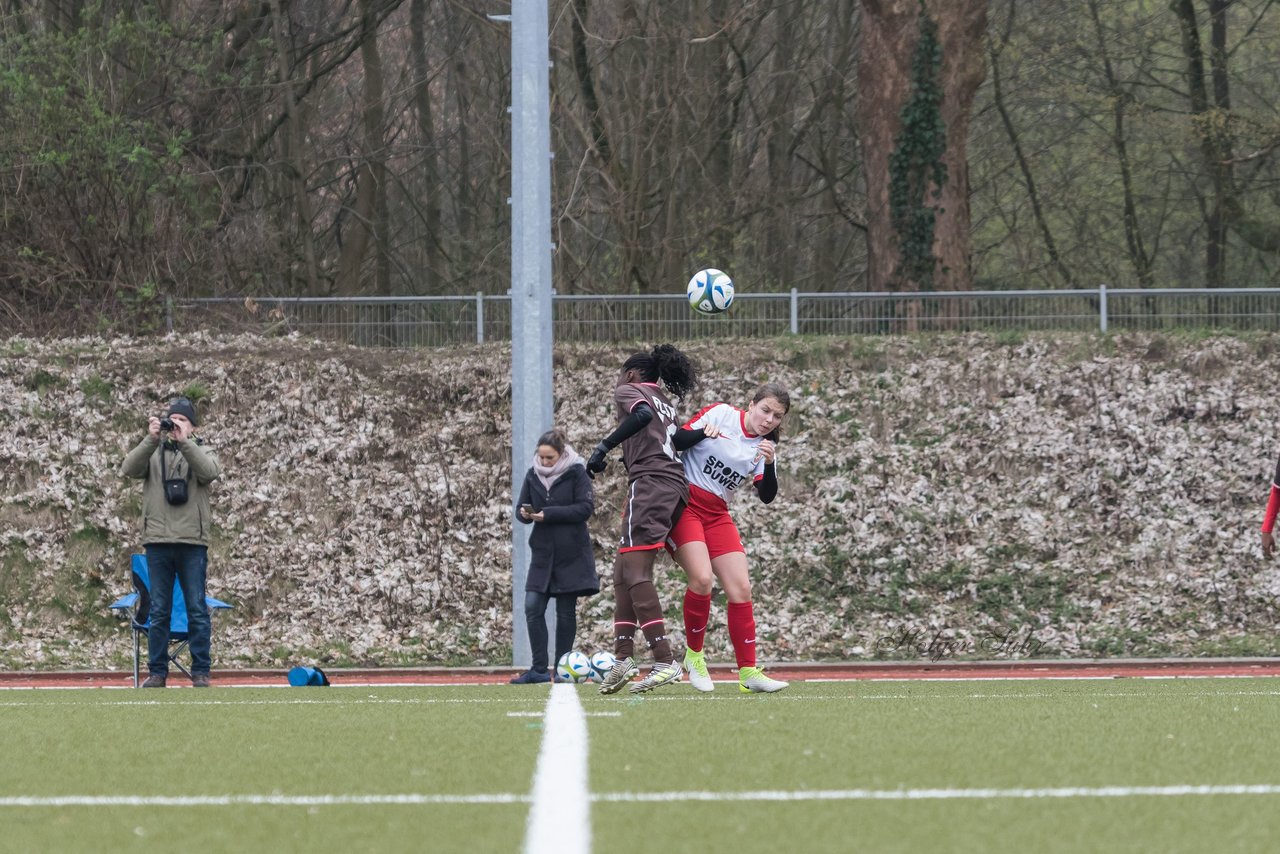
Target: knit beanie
pixel 183 406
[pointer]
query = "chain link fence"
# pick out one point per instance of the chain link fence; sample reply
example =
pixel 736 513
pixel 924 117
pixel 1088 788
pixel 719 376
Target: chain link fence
pixel 441 321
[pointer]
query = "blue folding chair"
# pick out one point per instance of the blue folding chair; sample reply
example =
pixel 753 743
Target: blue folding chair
pixel 139 602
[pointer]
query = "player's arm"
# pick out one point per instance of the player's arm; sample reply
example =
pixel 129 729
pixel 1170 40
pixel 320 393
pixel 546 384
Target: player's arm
pixel 684 439
pixel 639 416
pixel 691 433
pixel 767 484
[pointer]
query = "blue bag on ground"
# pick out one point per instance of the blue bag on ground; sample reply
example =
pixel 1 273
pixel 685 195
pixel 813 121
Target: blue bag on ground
pixel 303 676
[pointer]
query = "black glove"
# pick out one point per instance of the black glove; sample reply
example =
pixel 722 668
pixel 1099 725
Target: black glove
pixel 596 464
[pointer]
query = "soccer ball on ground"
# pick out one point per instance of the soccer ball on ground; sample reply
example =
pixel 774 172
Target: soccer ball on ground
pixel 601 663
pixel 710 291
pixel 574 667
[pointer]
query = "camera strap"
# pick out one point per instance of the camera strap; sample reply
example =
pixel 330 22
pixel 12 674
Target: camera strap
pixel 164 452
pixel 175 491
pixel 164 447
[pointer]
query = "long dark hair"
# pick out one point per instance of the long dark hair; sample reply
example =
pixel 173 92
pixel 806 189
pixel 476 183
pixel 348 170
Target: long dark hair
pixel 670 365
pixel 779 394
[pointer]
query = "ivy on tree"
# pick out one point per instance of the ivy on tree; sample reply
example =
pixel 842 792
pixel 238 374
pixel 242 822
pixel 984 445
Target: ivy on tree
pixel 916 161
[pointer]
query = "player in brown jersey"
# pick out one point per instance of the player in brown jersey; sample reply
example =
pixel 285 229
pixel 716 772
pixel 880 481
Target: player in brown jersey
pixel 656 496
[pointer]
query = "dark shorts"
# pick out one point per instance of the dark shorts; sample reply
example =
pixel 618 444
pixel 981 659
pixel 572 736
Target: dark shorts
pixel 650 510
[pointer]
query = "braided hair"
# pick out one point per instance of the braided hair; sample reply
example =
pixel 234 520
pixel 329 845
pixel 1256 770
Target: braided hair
pixel 670 365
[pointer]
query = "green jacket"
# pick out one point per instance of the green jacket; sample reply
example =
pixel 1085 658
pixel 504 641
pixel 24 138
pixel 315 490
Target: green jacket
pixel 161 521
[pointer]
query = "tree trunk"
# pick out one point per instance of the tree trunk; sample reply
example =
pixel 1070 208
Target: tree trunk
pixel 1210 119
pixel 294 145
pixel 937 192
pixel 465 213
pixel 433 186
pixel 1138 256
pixel 370 172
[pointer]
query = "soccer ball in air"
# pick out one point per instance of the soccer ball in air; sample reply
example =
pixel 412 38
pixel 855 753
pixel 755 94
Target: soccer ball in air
pixel 574 666
pixel 601 663
pixel 710 291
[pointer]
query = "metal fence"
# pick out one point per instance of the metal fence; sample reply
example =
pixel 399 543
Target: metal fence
pixel 448 320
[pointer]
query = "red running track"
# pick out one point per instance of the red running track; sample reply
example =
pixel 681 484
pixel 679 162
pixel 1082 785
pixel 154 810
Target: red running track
pixel 1031 669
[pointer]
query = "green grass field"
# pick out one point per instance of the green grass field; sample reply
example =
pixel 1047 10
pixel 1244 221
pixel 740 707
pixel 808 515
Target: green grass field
pixel 1099 765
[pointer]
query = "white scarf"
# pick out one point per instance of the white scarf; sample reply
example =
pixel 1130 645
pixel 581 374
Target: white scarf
pixel 549 474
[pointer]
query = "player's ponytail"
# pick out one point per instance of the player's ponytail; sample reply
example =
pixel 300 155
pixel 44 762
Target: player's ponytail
pixel 668 364
pixel 677 372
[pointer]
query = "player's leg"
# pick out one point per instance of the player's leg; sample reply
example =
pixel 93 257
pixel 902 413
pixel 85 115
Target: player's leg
pixel 731 570
pixel 624 630
pixel 637 571
pixel 655 506
pixel 693 558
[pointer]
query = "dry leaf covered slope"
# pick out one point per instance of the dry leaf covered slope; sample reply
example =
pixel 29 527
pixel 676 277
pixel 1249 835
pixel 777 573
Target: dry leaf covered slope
pixel 948 495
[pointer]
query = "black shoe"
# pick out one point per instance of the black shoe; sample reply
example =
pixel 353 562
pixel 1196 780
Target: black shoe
pixel 199 680
pixel 532 677
pixel 155 680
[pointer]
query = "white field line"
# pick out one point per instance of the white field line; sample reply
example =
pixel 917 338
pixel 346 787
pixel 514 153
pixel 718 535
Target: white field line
pixel 561 842
pixel 588 714
pixel 664 698
pixel 333 701
pixel 255 686
pixel 784 697
pixel 1038 695
pixel 1175 677
pixel 1172 677
pixel 561 778
pixel 940 794
pixel 258 800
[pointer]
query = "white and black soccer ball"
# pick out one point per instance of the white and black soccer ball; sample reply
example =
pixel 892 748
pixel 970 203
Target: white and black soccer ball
pixel 574 666
pixel 601 663
pixel 710 291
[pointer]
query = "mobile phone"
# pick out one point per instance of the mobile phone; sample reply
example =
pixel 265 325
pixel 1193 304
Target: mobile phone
pixel 527 508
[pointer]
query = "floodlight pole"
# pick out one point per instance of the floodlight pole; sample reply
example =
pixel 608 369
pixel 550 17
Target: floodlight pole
pixel 531 387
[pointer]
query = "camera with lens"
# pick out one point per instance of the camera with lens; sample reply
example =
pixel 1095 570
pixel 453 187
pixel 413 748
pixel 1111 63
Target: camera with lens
pixel 167 424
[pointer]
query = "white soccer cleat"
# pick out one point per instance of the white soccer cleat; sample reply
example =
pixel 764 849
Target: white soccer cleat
pixel 695 663
pixel 751 680
pixel 661 674
pixel 620 674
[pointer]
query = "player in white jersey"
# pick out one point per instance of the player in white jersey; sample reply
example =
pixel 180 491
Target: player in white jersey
pixel 724 449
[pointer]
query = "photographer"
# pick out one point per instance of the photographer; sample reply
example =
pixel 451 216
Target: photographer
pixel 176 470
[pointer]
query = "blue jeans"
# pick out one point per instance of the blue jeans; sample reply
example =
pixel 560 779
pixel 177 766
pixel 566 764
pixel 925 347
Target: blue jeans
pixel 188 564
pixel 535 608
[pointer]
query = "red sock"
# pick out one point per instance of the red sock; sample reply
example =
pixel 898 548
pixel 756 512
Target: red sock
pixel 697 613
pixel 742 631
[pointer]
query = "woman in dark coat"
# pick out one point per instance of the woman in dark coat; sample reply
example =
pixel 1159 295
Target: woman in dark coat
pixel 557 499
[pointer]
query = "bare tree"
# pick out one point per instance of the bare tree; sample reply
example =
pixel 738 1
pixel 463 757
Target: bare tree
pixel 429 242
pixel 1211 118
pixel 362 218
pixel 996 46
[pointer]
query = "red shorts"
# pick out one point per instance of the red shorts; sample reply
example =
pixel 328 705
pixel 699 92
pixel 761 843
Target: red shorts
pixel 706 520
